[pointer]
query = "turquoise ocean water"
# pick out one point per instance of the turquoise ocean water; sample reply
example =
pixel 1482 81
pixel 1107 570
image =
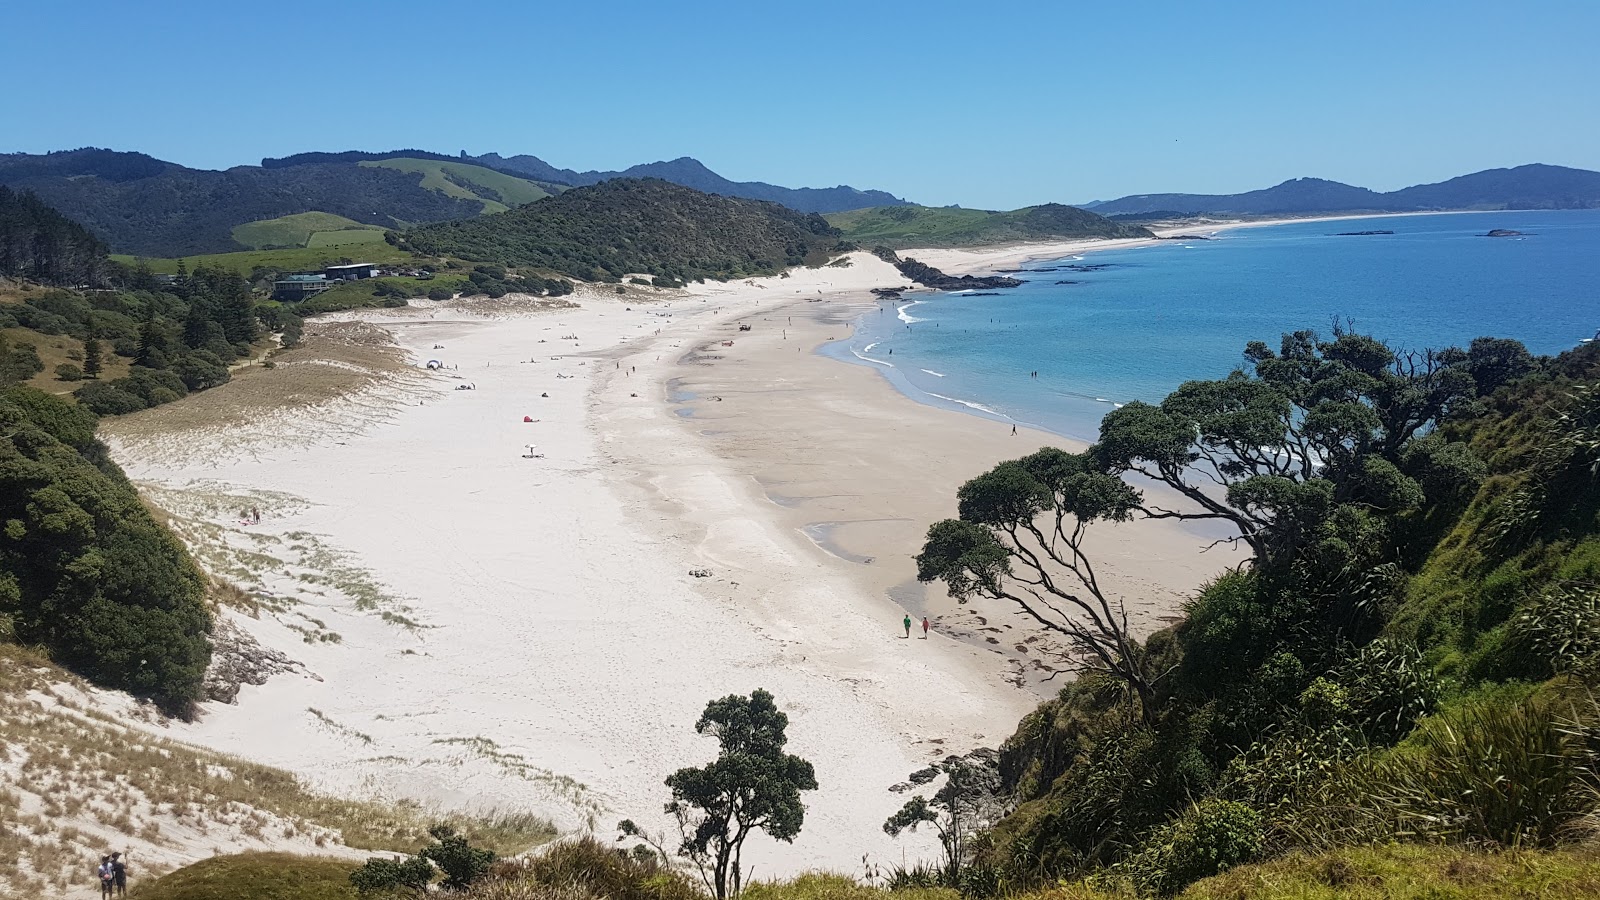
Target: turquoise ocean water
pixel 1136 323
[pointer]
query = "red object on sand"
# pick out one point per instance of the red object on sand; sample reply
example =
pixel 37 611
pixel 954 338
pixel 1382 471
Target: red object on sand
pixel 527 418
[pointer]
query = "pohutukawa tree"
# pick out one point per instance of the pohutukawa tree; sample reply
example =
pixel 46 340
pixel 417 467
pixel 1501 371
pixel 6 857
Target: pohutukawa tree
pixel 751 785
pixel 1296 456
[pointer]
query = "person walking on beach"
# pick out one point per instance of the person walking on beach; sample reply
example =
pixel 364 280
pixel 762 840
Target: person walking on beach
pixel 119 874
pixel 1013 431
pixel 924 627
pixel 908 626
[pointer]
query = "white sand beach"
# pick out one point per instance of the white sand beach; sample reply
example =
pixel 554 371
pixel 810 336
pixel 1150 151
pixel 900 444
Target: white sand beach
pixel 496 613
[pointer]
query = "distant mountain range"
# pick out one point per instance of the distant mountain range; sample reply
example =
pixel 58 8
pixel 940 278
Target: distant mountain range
pixel 1524 187
pixel 690 172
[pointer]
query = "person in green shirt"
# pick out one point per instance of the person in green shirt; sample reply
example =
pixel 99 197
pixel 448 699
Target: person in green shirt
pixel 908 626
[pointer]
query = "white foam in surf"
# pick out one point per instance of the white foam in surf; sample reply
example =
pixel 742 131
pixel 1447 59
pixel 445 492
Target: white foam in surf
pixel 967 403
pixel 868 348
pixel 865 358
pixel 901 312
pixel 933 373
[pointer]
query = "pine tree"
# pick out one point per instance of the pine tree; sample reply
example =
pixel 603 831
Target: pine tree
pixel 91 358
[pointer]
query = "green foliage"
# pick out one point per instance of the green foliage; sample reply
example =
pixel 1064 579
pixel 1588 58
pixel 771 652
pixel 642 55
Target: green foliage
pixel 68 372
pixel 88 574
pixel 460 862
pixel 898 227
pixel 751 785
pixel 1211 837
pixel 628 226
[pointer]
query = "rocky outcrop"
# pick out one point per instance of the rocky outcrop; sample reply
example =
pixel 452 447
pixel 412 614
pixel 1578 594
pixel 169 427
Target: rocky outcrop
pixel 928 276
pixel 1503 232
pixel 239 659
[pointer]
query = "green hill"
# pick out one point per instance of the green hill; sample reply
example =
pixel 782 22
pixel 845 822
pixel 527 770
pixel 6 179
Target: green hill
pixel 902 227
pixel 308 229
pixel 623 226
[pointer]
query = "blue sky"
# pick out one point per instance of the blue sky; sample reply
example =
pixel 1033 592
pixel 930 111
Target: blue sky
pixel 995 104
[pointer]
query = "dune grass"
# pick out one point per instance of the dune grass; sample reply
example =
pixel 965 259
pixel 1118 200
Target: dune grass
pixel 73 774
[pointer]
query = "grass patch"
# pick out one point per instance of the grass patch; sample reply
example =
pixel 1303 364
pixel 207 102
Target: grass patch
pixel 292 259
pixel 497 190
pixel 300 229
pixel 1409 872
pixel 826 886
pixel 345 237
pixel 258 876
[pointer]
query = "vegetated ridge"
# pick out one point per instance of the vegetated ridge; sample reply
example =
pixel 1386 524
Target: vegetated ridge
pixel 901 227
pixel 144 206
pixel 636 226
pixel 1533 186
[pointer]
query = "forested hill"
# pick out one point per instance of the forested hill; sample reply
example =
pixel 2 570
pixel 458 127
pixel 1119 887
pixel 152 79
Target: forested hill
pixel 901 227
pixel 690 172
pixel 1524 187
pixel 39 244
pixel 144 206
pixel 626 226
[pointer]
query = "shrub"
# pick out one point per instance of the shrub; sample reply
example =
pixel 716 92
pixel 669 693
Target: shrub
pixel 1500 769
pixel 108 399
pixel 610 872
pixel 387 875
pixel 1209 838
pixel 200 370
pixel 440 293
pixel 460 862
pixel 68 372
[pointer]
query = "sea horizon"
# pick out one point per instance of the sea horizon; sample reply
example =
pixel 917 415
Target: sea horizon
pixel 1105 326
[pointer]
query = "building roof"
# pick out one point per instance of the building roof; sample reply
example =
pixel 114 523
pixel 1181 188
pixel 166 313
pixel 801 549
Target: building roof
pixel 354 266
pixel 300 279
